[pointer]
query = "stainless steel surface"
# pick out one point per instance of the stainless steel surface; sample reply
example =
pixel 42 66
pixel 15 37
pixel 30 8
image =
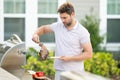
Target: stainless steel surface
pixel 12 60
pixel 4 75
pixel 13 56
pixel 81 75
pixel 3 49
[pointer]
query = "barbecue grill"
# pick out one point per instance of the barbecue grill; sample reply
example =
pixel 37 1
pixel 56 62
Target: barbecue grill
pixel 12 56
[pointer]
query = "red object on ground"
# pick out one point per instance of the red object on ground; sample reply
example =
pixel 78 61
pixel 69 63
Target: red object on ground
pixel 33 75
pixel 40 74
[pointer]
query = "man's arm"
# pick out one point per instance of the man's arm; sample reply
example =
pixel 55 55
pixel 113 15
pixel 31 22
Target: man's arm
pixel 40 31
pixel 87 47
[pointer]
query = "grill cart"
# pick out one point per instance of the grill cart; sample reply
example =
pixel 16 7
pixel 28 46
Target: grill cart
pixel 12 56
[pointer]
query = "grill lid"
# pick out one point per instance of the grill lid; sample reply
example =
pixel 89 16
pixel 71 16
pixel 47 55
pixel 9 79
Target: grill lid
pixel 13 56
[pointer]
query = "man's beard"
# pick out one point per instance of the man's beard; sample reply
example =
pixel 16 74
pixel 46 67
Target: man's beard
pixel 68 24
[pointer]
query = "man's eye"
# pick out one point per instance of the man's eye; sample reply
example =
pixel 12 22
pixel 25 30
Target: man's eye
pixel 64 18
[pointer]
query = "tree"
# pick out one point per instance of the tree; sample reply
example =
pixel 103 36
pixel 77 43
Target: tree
pixel 91 23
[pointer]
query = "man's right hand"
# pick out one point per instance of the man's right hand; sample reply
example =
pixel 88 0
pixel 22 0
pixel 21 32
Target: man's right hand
pixel 35 38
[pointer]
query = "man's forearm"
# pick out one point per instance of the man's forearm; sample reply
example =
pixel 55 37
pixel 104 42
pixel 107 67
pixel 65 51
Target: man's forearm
pixel 82 56
pixel 39 31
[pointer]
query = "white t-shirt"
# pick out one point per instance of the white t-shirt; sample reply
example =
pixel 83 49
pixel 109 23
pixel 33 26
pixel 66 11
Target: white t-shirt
pixel 68 43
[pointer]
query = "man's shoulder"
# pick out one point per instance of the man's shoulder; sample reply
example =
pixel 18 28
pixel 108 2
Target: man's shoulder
pixel 58 23
pixel 82 29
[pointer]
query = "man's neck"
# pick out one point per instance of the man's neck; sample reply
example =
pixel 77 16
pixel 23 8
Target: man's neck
pixel 72 25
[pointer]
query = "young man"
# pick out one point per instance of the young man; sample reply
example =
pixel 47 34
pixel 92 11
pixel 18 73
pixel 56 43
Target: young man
pixel 72 41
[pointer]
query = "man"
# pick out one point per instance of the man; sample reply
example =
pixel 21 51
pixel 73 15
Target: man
pixel 72 41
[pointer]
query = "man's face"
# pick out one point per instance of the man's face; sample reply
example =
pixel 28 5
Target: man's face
pixel 66 19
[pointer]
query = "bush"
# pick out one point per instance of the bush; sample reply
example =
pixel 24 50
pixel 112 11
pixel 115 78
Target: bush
pixel 91 23
pixel 102 64
pixel 36 64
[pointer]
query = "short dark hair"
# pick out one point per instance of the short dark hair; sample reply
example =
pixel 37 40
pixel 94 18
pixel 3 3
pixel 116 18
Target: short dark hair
pixel 66 8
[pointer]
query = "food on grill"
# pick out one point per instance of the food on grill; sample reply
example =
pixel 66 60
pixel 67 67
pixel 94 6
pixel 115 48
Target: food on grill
pixel 43 52
pixel 39 76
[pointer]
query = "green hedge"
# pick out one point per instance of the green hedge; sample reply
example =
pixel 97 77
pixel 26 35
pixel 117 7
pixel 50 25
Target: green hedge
pixel 102 64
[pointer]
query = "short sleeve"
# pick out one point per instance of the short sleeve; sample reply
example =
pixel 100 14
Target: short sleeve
pixel 53 26
pixel 85 39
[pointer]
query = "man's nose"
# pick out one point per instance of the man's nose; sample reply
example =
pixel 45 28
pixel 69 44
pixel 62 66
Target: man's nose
pixel 63 20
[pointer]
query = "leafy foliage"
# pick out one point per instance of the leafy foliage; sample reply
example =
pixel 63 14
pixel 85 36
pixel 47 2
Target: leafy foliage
pixel 91 23
pixel 102 64
pixel 36 64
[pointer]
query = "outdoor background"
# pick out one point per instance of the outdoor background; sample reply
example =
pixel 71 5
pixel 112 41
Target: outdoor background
pixel 100 17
